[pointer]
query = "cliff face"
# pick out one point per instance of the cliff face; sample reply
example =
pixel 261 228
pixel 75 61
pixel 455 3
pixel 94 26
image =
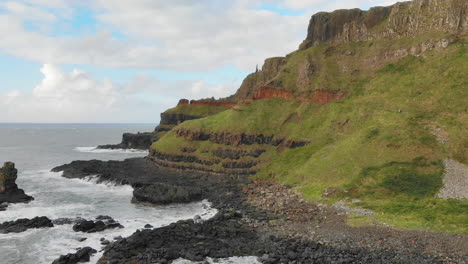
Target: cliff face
pixel 400 20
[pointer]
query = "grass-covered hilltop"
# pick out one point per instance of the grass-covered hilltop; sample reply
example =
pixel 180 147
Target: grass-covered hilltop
pixel 370 110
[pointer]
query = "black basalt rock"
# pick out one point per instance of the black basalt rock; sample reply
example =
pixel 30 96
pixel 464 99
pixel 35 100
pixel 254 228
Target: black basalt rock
pixel 161 193
pixel 133 141
pixel 90 226
pixel 82 255
pixel 24 224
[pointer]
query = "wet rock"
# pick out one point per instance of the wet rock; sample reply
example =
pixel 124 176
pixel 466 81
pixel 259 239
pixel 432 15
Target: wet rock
pixel 66 221
pixel 148 226
pixel 161 193
pixel 9 191
pixel 82 255
pixel 105 242
pixel 81 239
pixel 90 226
pixel 218 237
pixel 197 219
pixel 24 224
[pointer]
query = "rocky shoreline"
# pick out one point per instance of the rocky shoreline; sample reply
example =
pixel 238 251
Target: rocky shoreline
pixel 256 219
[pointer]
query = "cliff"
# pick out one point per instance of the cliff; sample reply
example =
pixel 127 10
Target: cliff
pixel 351 115
pixel 394 32
pixel 405 19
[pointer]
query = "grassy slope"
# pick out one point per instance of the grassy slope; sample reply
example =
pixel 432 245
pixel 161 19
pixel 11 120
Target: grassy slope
pixel 377 144
pixel 197 110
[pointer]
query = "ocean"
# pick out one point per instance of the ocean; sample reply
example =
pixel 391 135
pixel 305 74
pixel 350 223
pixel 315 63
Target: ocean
pixel 36 149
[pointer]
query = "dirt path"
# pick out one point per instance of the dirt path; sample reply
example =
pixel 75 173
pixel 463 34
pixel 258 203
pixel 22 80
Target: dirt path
pixel 455 180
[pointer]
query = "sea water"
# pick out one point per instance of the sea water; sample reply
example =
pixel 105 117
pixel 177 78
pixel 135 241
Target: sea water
pixel 36 149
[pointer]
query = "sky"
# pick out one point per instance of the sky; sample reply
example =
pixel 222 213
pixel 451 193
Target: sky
pixel 126 61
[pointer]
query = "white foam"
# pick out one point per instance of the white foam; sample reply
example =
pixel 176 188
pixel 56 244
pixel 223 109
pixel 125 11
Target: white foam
pixel 98 150
pixel 57 197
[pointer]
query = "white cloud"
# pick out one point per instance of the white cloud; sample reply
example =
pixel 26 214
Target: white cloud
pixel 27 12
pixel 178 35
pixel 301 4
pixel 60 97
pixel 78 96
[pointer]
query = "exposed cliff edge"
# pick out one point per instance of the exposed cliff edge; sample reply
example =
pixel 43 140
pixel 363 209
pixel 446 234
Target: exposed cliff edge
pixel 9 191
pixel 404 19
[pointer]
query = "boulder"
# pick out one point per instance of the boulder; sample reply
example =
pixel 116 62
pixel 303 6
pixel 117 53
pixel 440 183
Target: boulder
pixel 82 255
pixel 90 226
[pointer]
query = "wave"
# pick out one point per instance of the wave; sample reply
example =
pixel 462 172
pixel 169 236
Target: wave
pixel 57 197
pixel 97 150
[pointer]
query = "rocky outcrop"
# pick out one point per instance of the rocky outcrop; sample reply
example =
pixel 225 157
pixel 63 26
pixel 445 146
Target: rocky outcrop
pixel 24 224
pixel 161 193
pixel 250 85
pixel 9 191
pixel 82 255
pixel 196 168
pixel 403 19
pixel 182 158
pixel 212 103
pixel 271 93
pixel 176 118
pixel 102 223
pixel 133 141
pixel 318 96
pixel 232 139
pixel 236 154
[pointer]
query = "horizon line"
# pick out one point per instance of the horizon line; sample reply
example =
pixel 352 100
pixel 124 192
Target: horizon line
pixel 74 123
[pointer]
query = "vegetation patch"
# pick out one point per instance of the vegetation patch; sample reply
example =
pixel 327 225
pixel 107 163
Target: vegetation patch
pixel 197 110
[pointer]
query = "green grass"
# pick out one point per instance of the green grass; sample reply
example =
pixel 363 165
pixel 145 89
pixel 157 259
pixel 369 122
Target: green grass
pixel 197 110
pixel 376 144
